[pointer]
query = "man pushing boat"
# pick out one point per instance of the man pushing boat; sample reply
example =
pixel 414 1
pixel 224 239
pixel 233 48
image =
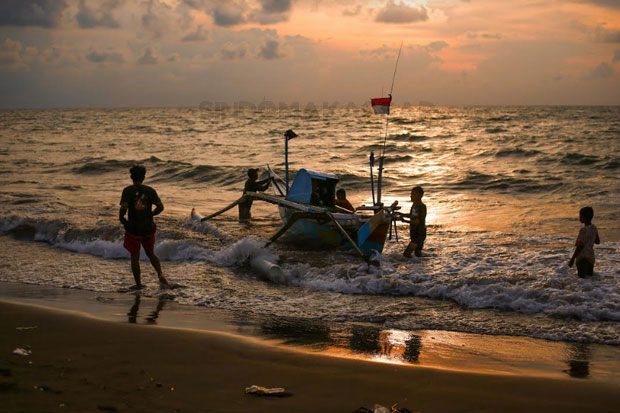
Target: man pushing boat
pixel 251 185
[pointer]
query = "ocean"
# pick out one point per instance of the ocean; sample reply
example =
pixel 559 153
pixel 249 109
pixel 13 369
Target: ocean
pixel 503 187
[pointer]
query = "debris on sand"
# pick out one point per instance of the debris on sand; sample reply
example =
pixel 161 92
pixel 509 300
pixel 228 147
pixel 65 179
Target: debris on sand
pixel 265 391
pixel 21 352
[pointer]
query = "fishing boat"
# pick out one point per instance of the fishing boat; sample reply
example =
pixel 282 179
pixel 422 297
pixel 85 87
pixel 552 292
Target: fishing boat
pixel 307 207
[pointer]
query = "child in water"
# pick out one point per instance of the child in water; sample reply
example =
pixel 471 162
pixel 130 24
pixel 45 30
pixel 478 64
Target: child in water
pixel 584 246
pixel 417 223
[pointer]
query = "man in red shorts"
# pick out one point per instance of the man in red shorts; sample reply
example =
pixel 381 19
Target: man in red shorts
pixel 139 199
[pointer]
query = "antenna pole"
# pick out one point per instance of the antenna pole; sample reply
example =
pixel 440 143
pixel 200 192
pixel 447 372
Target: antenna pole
pixel 387 122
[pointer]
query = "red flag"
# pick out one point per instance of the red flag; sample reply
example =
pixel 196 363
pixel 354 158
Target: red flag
pixel 381 106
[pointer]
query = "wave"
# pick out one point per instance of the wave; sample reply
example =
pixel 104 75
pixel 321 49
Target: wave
pixel 403 121
pixel 480 181
pixel 377 148
pixel 528 280
pixel 495 130
pixel 107 242
pixel 102 167
pixel 612 164
pixel 503 118
pixel 407 137
pixel 516 152
pixel 166 171
pixel 523 281
pixel 398 159
pixel 579 159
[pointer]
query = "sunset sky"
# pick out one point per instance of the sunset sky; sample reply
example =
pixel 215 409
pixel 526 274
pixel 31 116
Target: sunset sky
pixel 80 53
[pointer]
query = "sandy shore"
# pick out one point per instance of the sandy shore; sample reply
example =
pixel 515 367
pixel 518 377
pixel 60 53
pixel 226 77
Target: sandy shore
pixel 81 364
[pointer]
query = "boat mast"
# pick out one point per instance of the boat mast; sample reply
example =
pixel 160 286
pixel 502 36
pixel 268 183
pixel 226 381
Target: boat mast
pixel 387 121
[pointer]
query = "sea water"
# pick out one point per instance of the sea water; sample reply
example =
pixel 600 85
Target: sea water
pixel 503 187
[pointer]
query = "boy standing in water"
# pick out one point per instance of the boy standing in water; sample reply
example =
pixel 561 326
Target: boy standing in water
pixel 139 199
pixel 417 223
pixel 584 246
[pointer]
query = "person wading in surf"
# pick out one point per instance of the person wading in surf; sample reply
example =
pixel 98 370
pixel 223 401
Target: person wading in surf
pixel 584 246
pixel 417 223
pixel 139 199
pixel 251 185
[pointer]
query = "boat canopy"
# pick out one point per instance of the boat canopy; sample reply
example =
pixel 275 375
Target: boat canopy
pixel 315 188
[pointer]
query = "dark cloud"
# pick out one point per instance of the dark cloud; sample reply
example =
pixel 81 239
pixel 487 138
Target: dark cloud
pixel 436 46
pixel 271 50
pixel 616 57
pixel 266 18
pixel 605 35
pixel 275 6
pixel 42 13
pixel 228 14
pixel 148 58
pixel 198 35
pixel 105 57
pixel 612 4
pixel 88 18
pixel 401 13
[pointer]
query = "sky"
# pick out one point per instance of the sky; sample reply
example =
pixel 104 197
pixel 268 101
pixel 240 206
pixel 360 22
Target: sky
pixel 125 53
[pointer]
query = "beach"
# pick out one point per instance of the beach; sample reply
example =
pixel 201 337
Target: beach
pixel 81 363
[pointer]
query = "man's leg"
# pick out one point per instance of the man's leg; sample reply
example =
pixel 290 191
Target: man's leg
pixel 135 268
pixel 156 264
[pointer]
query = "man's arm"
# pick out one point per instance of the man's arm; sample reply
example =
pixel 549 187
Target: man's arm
pixel 121 213
pixel 264 184
pixel 159 206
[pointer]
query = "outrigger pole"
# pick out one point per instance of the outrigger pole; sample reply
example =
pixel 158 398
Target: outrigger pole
pixel 387 120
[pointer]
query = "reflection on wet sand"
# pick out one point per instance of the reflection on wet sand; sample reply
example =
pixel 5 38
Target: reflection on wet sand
pixel 291 331
pixel 413 346
pixel 364 341
pixel 132 314
pixel 578 360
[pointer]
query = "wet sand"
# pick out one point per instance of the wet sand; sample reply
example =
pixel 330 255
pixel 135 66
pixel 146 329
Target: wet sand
pixel 79 363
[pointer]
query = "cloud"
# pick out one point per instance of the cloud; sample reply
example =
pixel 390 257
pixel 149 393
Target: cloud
pixel 88 18
pixel 149 57
pixel 616 57
pixel 228 14
pixel 352 12
pixel 401 13
pixel 105 57
pixel 230 52
pixel 266 18
pixel 42 13
pixel 275 6
pixel 612 4
pixel 270 50
pixel 604 35
pixel 436 46
pixel 197 36
pixel 602 71
pixel 155 19
pixel 15 57
pixel 383 51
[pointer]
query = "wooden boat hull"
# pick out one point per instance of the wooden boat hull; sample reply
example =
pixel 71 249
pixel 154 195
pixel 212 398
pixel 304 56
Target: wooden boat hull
pixel 328 235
